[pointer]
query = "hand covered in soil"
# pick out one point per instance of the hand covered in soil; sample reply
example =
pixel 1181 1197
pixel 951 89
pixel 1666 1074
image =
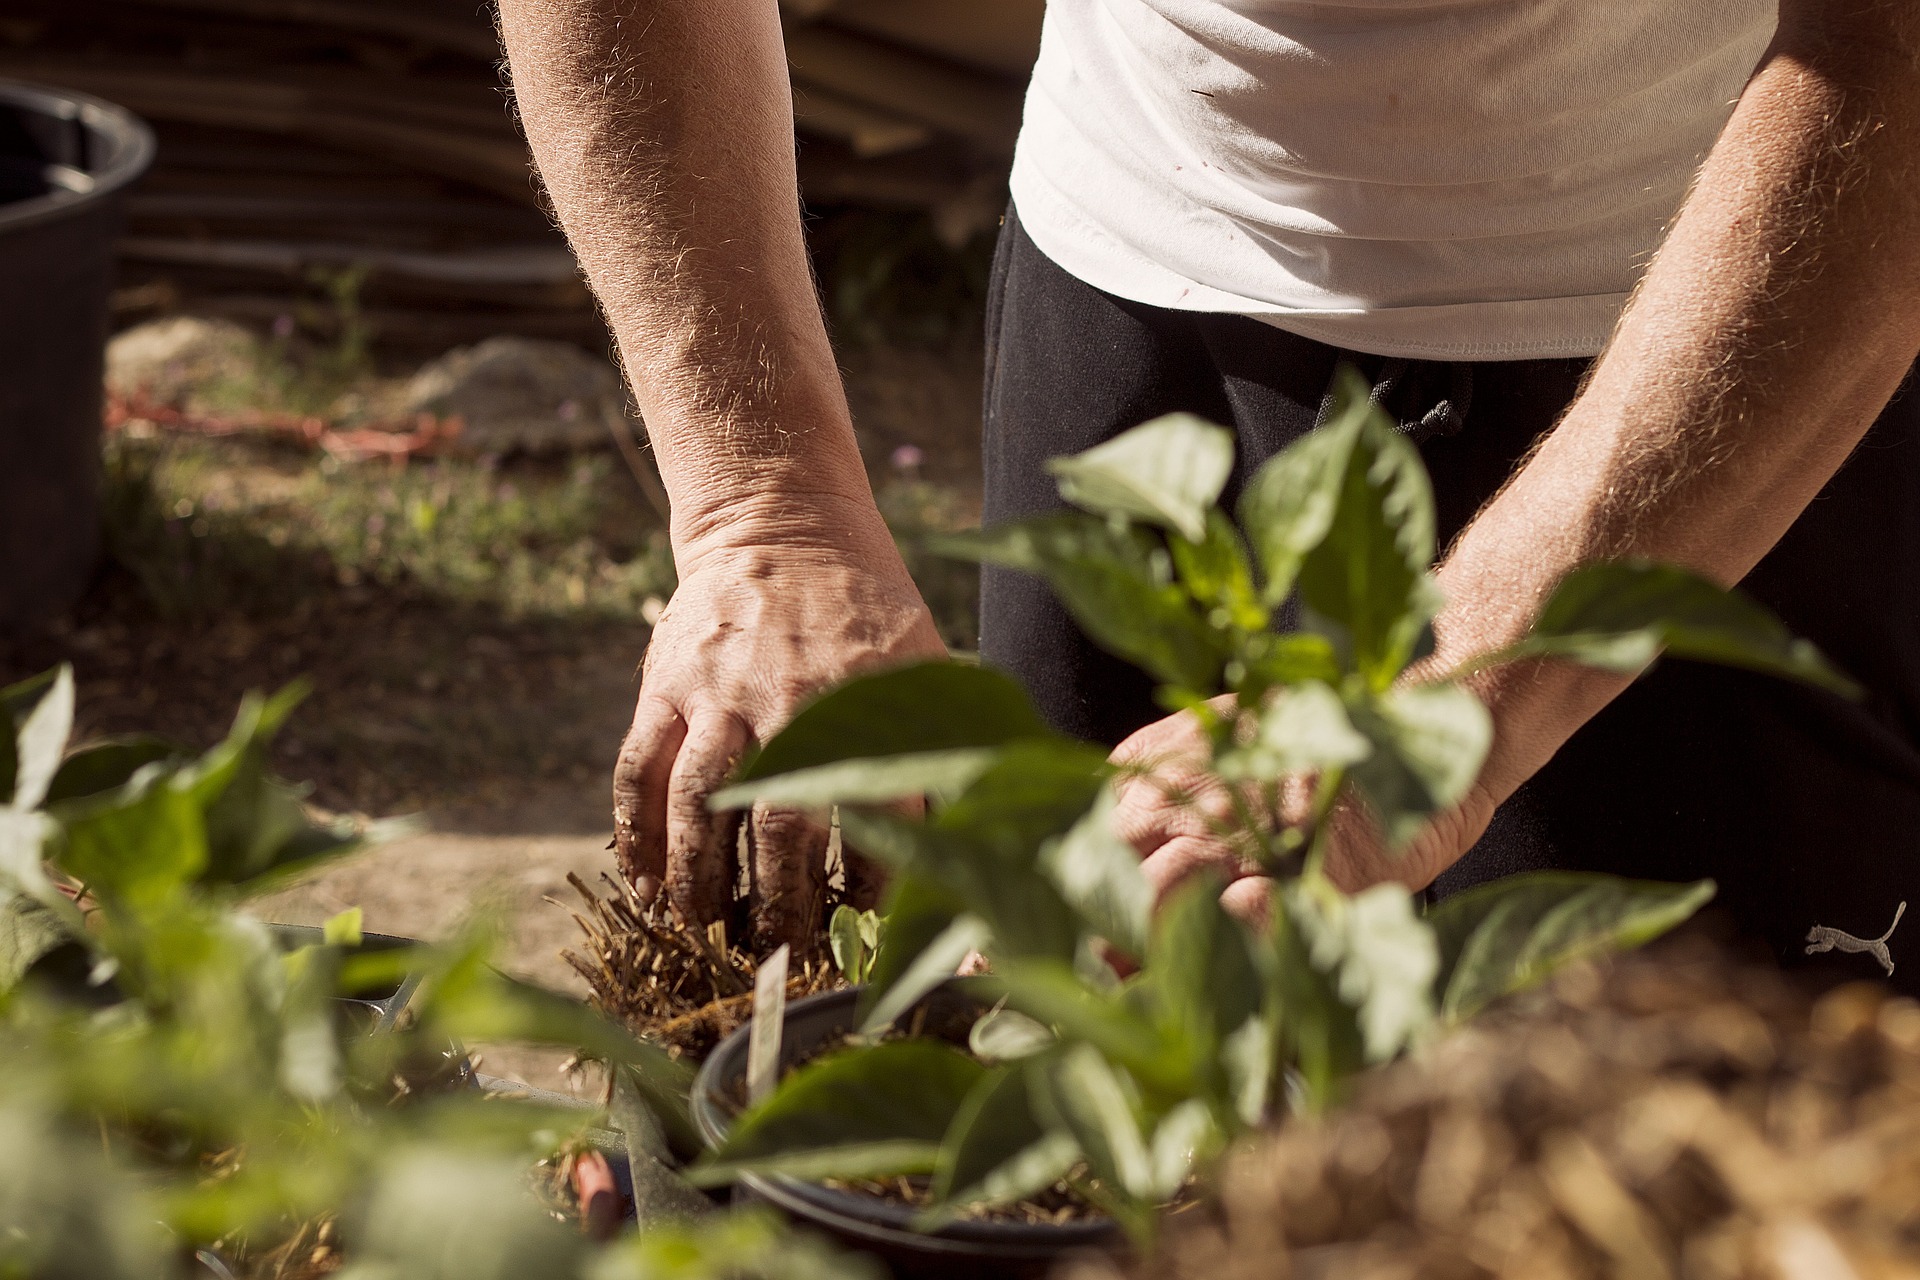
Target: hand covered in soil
pixel 752 633
pixel 1180 819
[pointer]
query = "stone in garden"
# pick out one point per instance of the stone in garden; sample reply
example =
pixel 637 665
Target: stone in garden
pixel 522 395
pixel 182 361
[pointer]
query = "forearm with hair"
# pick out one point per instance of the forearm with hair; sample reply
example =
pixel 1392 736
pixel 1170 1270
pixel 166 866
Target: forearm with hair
pixel 663 133
pixel 1769 332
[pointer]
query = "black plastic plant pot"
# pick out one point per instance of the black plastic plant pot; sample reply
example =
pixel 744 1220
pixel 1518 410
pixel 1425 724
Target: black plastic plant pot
pixel 971 1248
pixel 66 161
pixel 377 1008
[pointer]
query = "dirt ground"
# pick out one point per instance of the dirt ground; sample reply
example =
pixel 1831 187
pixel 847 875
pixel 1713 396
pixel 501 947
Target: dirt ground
pixel 494 715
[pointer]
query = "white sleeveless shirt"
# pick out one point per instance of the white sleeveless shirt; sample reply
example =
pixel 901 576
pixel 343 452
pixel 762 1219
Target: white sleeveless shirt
pixel 1464 179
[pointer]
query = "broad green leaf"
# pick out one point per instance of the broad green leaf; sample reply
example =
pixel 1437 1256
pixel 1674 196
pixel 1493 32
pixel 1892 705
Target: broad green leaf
pixel 1219 575
pixel 1250 1058
pixel 1033 790
pixel 440 1214
pixel 1289 506
pixel 934 965
pixel 1167 472
pixel 40 741
pixel 997 1151
pixel 1051 993
pixel 30 933
pixel 1201 967
pixel 1269 660
pixel 1621 616
pixel 1118 585
pixel 746 1242
pixel 918 913
pixel 1301 730
pixel 1099 875
pixel 1025 912
pixel 1429 742
pixel 901 1093
pixel 1185 1136
pixel 105 765
pixel 1006 1035
pixel 659 1194
pixel 1087 1098
pixel 17 702
pixel 863 781
pixel 138 842
pixel 1381 955
pixel 849 949
pixel 928 707
pixel 1320 1031
pixel 343 929
pixel 1513 933
pixel 881 1158
pixel 24 841
pixel 1369 575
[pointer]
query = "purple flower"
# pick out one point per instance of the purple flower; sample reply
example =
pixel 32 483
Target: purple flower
pixel 908 457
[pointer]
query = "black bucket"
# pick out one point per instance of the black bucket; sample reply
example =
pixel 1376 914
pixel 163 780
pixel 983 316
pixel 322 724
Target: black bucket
pixel 966 1249
pixel 66 161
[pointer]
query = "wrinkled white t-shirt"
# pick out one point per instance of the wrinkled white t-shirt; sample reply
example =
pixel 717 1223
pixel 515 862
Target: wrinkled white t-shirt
pixel 1464 179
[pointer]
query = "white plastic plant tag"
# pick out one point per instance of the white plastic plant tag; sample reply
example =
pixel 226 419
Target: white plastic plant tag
pixel 769 1016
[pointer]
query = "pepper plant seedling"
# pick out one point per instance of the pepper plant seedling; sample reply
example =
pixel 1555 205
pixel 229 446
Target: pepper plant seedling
pixel 1128 1087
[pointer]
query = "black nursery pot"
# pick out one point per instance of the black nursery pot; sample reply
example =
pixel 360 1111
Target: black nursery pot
pixel 66 161
pixel 868 1223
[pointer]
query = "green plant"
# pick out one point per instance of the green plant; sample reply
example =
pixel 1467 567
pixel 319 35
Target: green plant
pixel 1128 1087
pixel 176 1076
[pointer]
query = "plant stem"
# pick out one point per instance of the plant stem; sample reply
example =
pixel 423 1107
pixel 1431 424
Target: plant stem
pixel 1326 793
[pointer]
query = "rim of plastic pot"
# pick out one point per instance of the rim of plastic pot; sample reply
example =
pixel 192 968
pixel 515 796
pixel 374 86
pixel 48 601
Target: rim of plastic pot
pixel 810 1023
pixel 115 145
pixel 385 1006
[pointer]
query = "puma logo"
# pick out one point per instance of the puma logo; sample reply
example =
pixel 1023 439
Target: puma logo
pixel 1821 938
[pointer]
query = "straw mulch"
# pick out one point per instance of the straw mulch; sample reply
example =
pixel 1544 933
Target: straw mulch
pixel 1673 1116
pixel 687 988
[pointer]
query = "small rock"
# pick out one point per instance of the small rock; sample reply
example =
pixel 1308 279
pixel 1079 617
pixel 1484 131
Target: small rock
pixel 522 395
pixel 182 360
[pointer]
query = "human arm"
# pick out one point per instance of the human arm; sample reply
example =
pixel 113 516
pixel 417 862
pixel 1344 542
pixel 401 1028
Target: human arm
pixel 1768 334
pixel 663 133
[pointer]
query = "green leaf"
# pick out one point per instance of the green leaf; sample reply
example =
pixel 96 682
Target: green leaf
pixel 1185 1136
pixel 1319 1030
pixel 928 707
pixel 40 741
pixel 1303 729
pixel 1288 508
pixel 918 912
pixel 1509 935
pixel 106 765
pixel 865 781
pixel 1621 616
pixel 935 964
pixel 1382 957
pixel 30 933
pixel 1116 582
pixel 850 954
pixel 1099 876
pixel 1271 660
pixel 996 1151
pixel 1369 575
pixel 1167 472
pixel 1085 1096
pixel 1202 968
pixel 135 843
pixel 1033 791
pixel 897 1098
pixel 1429 742
pixel 1219 575
pixel 659 1194
pixel 440 1214
pixel 17 702
pixel 343 929
pixel 1006 1035
pixel 1051 993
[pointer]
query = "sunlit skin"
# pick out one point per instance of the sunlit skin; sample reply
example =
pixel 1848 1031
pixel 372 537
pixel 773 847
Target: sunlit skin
pixel 1768 334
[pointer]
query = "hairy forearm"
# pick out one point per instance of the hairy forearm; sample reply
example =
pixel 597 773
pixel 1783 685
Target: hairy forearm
pixel 1770 331
pixel 663 133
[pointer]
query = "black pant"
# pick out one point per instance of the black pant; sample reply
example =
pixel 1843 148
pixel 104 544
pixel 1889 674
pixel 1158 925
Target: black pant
pixel 1804 807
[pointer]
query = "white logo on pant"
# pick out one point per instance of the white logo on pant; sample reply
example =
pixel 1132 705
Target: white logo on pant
pixel 1821 938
